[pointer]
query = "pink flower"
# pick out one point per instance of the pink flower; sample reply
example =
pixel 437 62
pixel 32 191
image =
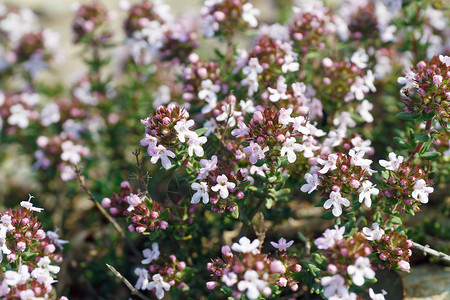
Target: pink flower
pixel 223 185
pixel 282 245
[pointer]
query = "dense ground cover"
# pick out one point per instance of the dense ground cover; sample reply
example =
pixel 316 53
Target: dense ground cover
pixel 218 155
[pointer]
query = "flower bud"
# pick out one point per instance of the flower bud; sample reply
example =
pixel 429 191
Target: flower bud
pixel 181 265
pixel 154 214
pixel 403 265
pixel 332 268
pixel 226 251
pixel 277 267
pixel 50 248
pixel 298 268
pixel 211 285
pixel 106 202
pixel 163 225
pixel 282 282
pixel 40 234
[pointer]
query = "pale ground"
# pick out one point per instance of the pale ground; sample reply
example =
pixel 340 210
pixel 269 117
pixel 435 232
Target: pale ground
pixel 424 282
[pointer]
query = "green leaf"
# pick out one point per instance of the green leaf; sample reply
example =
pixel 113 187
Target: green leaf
pixel 401 143
pixel 165 215
pixel 269 203
pixel 406 116
pixel 260 163
pixel 431 155
pixel 327 215
pixel 201 131
pixel 421 137
pixel 283 192
pixel 235 213
pixel 396 220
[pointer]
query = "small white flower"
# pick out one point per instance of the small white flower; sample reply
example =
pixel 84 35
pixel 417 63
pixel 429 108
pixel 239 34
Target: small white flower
pixel 285 116
pixel 241 131
pixel 249 14
pixel 20 277
pixel 280 92
pixel 150 255
pixel 329 164
pixel 364 110
pixel 28 205
pixel 360 270
pixel 195 145
pixel 252 284
pixel 3 248
pixel 312 182
pixel 182 129
pixel 223 185
pixel 290 63
pixel 359 88
pixel 393 163
pixel 19 116
pixel 289 148
pixel 445 60
pixel 374 296
pixel 330 237
pixel 365 191
pixel 50 114
pixel 247 106
pixel 162 153
pixel 421 191
pixel 334 286
pixel 151 142
pixel 336 200
pixel 201 192
pixel 54 238
pixel 375 234
pixel 142 281
pixel 229 114
pixel 255 151
pixel 245 246
pixel 360 58
pixel 230 278
pixel 282 245
pixel 299 124
pixel 159 285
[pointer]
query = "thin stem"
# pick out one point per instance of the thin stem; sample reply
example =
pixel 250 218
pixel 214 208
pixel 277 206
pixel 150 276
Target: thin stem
pixel 419 145
pixel 97 205
pixel 429 251
pixel 132 289
pixel 141 177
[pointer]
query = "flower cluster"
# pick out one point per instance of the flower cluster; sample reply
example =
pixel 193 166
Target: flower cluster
pixel 427 88
pixel 153 33
pixel 243 269
pixel 217 184
pixel 340 176
pixel 163 272
pixel 201 83
pixel 143 214
pixel 90 23
pixel 393 247
pixel 29 270
pixel 406 186
pixel 271 134
pixel 223 17
pixel 167 129
pixel 24 43
pixel 272 54
pixel 312 25
pixel 347 260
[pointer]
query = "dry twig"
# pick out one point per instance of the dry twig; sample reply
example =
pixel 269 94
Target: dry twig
pixel 136 153
pixel 132 289
pixel 429 251
pixel 97 205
